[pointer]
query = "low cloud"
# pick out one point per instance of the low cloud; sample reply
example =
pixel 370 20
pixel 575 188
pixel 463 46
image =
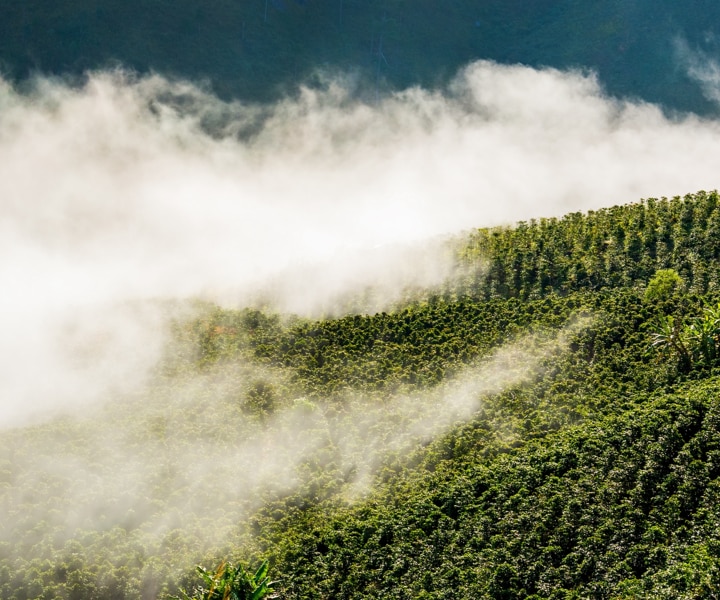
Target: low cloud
pixel 125 193
pixel 403 422
pixel 186 460
pixel 700 67
pixel 127 190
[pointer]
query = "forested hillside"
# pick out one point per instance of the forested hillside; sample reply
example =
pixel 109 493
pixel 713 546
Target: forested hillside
pixel 544 425
pixel 616 247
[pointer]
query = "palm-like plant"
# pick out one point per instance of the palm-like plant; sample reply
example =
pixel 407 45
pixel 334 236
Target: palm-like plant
pixel 695 343
pixel 670 336
pixel 231 582
pixel 704 335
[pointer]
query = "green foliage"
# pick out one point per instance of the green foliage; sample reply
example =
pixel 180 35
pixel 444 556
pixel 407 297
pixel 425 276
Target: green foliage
pixel 625 503
pixel 596 475
pixel 663 285
pixel 669 335
pixel 231 582
pixel 621 246
pixel 694 343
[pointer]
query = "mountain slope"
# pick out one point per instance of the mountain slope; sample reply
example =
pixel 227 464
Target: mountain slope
pixel 622 507
pixel 477 441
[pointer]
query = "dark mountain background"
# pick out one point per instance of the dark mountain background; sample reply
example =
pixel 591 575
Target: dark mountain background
pixel 261 49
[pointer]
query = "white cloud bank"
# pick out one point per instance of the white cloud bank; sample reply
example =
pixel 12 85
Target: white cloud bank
pixel 116 192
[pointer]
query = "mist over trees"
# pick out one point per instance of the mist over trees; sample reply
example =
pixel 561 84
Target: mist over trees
pixel 233 363
pixel 411 453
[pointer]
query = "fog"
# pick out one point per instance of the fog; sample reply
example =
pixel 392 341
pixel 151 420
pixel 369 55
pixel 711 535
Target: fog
pixel 188 462
pixel 128 189
pixel 124 197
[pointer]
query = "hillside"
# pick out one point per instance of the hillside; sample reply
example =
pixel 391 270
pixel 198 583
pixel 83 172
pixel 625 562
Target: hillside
pixel 529 429
pixel 622 507
pixel 262 50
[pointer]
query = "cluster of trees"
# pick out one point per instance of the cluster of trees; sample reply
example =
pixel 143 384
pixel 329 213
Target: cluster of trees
pixel 595 477
pixel 621 246
pixel 621 507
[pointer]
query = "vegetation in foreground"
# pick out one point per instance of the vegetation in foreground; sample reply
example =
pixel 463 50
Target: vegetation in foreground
pixel 231 582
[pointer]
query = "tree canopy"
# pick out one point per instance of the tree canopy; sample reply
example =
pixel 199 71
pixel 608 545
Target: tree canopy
pixel 544 425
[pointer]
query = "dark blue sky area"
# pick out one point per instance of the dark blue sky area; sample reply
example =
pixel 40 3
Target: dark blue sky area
pixel 262 49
